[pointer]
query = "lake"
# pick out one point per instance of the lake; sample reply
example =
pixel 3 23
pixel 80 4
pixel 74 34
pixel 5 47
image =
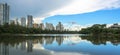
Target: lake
pixel 59 44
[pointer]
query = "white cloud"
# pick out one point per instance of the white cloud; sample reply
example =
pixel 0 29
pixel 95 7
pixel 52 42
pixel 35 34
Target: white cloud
pixel 108 25
pixel 85 6
pixel 38 19
pixel 75 26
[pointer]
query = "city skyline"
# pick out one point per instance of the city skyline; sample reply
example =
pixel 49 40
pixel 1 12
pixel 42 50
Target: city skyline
pixel 83 13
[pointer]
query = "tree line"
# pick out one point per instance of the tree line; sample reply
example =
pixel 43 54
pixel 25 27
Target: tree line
pixel 95 29
pixel 100 29
pixel 17 29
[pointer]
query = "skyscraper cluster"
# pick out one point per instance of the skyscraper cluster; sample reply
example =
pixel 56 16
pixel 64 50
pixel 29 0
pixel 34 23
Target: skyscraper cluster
pixel 59 26
pixel 49 26
pixel 4 19
pixel 23 21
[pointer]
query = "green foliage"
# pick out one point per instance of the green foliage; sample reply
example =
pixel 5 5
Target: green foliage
pixel 99 29
pixel 17 29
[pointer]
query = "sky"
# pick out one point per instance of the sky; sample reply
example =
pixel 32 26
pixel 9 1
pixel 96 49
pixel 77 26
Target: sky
pixel 82 12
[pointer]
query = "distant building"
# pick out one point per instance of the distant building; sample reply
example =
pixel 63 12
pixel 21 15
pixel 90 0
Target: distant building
pixel 16 21
pixel 60 27
pixel 42 26
pixel 49 26
pixel 12 22
pixel 35 25
pixel 115 26
pixel 23 22
pixel 30 21
pixel 4 13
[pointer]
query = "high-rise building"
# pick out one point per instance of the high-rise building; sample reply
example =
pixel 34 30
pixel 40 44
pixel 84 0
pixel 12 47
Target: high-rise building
pixel 23 22
pixel 35 25
pixel 49 26
pixel 4 13
pixel 16 21
pixel 12 22
pixel 30 21
pixel 42 26
pixel 59 27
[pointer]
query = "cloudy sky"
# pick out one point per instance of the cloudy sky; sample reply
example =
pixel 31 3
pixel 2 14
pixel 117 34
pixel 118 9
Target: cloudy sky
pixel 82 12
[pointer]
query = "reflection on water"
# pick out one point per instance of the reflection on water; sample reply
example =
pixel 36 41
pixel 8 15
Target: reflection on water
pixel 59 45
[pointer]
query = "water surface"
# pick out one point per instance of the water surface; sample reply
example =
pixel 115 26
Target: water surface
pixel 59 44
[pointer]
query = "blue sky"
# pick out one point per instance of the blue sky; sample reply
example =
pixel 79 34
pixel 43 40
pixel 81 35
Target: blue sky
pixel 97 17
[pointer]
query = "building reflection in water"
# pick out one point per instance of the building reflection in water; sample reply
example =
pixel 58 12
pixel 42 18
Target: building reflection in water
pixel 4 49
pixel 49 40
pixel 29 46
pixel 102 39
pixel 59 40
pixel 23 45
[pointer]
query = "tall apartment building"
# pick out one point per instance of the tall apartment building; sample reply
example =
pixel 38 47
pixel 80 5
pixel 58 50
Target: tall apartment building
pixel 35 25
pixel 4 13
pixel 30 21
pixel 12 22
pixel 59 27
pixel 17 21
pixel 23 21
pixel 42 26
pixel 49 26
